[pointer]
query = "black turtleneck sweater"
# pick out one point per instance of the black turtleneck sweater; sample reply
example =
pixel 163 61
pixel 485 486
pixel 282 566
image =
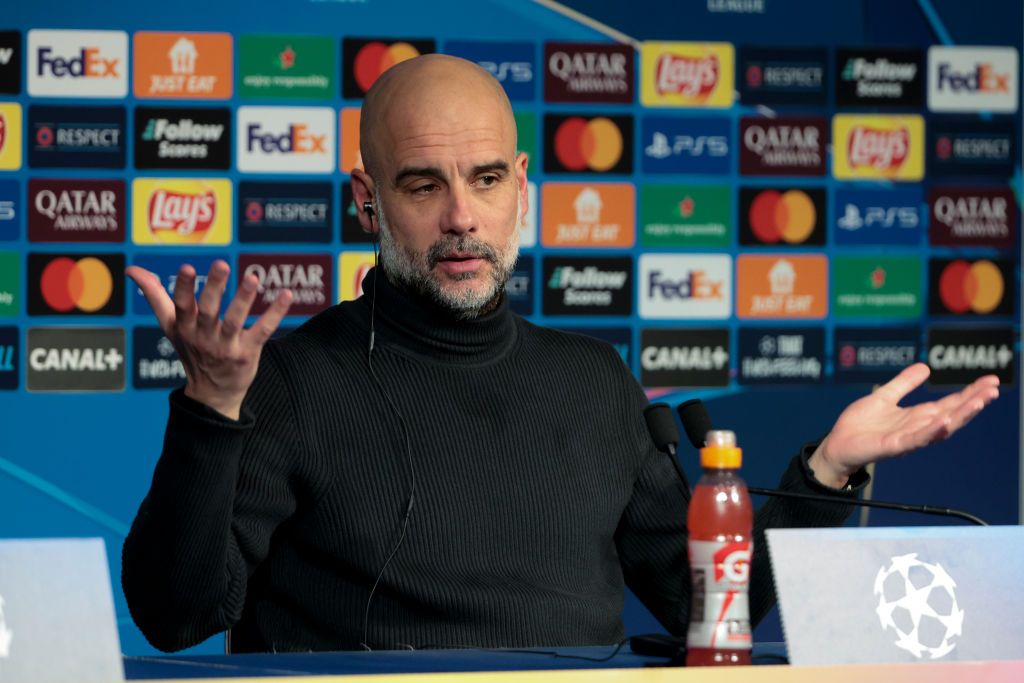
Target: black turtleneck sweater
pixel 538 494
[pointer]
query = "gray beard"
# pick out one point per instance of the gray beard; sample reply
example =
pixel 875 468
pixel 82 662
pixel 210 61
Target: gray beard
pixel 413 272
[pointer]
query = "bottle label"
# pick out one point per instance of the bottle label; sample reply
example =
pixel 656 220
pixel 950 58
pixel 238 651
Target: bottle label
pixel 719 607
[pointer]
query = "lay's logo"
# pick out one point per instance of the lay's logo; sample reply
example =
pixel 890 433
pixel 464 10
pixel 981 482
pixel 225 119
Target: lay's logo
pixel 890 147
pixel 693 77
pixel 191 212
pixel 77 63
pixel 882 150
pixel 687 74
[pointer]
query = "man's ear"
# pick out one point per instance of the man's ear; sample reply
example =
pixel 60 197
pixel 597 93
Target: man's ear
pixel 362 194
pixel 522 161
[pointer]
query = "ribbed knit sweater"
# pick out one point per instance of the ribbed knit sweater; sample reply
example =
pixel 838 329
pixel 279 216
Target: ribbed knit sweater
pixel 539 494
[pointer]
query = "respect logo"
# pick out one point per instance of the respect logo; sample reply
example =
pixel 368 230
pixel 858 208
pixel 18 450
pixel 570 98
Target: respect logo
pixel 367 58
pixel 878 146
pixel 77 63
pixel 687 74
pixel 190 212
pixel 597 144
pixel 75 284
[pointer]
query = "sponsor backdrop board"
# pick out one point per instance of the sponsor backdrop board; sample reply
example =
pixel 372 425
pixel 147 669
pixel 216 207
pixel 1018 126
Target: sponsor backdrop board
pixel 771 219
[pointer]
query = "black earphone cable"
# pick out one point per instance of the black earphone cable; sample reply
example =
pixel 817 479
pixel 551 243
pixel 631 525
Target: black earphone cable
pixel 411 501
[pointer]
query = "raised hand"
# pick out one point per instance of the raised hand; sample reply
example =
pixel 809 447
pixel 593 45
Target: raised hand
pixel 876 427
pixel 220 356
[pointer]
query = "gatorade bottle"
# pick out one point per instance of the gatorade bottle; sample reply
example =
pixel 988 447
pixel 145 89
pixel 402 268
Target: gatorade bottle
pixel 720 521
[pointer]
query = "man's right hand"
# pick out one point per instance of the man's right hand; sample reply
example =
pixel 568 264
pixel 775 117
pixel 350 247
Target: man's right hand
pixel 220 356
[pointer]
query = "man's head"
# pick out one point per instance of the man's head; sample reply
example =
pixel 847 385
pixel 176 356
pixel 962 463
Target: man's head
pixel 438 143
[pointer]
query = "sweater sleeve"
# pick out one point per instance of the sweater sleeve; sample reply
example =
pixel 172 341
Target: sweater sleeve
pixel 219 490
pixel 652 536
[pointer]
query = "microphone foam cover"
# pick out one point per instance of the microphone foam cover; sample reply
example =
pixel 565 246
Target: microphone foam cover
pixel 661 425
pixel 696 421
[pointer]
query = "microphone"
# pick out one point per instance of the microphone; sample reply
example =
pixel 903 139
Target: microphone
pixel 696 421
pixel 662 427
pixel 697 424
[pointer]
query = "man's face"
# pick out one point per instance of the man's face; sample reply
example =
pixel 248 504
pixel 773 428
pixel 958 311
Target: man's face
pixel 450 197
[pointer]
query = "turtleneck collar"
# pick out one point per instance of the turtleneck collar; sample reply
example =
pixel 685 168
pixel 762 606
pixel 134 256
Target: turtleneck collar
pixel 414 325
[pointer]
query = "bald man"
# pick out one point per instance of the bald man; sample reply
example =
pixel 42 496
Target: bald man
pixel 421 467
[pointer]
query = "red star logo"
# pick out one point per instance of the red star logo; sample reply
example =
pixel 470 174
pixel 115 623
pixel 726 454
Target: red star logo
pixel 878 277
pixel 287 58
pixel 686 207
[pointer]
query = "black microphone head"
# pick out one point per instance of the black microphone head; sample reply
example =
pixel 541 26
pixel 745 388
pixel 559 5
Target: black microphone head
pixel 662 427
pixel 696 421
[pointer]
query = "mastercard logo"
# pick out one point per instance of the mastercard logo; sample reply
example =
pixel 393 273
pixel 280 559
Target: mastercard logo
pixel 595 144
pixel 375 58
pixel 971 287
pixel 788 216
pixel 84 284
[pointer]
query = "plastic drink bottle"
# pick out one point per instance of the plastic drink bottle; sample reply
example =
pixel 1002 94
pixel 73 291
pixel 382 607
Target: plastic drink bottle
pixel 720 521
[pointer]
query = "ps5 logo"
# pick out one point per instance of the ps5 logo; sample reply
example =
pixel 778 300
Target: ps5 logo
pixel 6 634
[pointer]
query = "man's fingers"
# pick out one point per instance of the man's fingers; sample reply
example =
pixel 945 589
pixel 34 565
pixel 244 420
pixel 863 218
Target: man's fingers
pixel 213 291
pixel 156 295
pixel 260 332
pixel 238 309
pixel 905 382
pixel 185 298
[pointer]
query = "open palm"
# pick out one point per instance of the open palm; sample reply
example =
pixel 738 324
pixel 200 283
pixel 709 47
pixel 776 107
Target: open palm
pixel 876 427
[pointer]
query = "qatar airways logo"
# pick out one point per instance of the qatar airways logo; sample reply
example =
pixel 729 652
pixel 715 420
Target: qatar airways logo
pixel 882 150
pixel 182 213
pixel 688 76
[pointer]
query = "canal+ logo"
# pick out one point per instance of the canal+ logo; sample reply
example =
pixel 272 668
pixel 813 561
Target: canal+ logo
pixel 77 63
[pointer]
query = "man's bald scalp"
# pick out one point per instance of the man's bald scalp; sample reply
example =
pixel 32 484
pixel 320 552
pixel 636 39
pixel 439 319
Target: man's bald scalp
pixel 414 78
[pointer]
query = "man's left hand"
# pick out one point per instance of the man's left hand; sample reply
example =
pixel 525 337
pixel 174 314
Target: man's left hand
pixel 876 427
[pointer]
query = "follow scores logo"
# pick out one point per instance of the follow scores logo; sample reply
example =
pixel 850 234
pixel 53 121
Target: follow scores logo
pixel 75 284
pixel 596 144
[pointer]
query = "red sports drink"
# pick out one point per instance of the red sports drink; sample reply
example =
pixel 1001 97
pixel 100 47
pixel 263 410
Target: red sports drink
pixel 721 521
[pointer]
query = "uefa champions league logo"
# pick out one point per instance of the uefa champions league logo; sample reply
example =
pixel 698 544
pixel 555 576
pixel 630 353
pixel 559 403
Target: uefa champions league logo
pixel 5 633
pixel 917 600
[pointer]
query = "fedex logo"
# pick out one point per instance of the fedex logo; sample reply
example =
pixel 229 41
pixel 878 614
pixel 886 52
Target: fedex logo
pixel 694 285
pixel 78 63
pixel 286 139
pixel 685 286
pixel 296 140
pixel 965 79
pixel 89 63
pixel 983 78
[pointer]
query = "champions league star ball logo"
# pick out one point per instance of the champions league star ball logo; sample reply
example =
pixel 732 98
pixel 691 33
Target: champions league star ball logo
pixel 917 601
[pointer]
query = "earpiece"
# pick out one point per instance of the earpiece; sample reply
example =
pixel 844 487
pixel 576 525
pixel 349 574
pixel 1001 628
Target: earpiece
pixel 368 209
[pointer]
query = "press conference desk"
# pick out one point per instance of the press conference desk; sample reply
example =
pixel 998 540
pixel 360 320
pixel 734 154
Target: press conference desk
pixel 479 666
